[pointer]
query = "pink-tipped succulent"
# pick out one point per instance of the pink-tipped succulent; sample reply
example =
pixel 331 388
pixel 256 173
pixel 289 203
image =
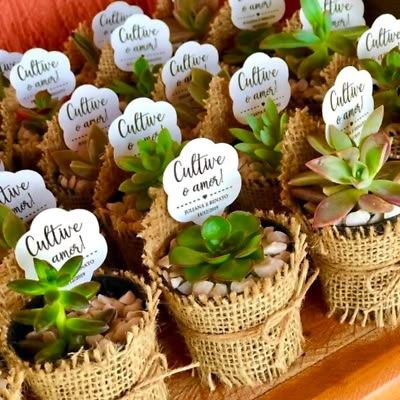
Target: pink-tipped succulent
pixel 349 175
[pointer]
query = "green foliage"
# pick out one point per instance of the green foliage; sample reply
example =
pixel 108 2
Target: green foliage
pixel 142 81
pixel 387 78
pixel 57 301
pixel 222 249
pixel 350 174
pixel 148 167
pixel 35 119
pixel 308 51
pixel 86 165
pixel 263 142
pixel 11 228
pixel 87 48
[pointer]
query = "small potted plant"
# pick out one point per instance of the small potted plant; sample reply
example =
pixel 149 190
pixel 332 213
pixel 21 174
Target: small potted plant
pixel 260 151
pixel 71 341
pixel 235 287
pixel 348 201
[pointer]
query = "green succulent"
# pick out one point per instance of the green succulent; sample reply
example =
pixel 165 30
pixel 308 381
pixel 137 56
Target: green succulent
pixel 264 141
pixel 142 81
pixel 222 249
pixel 307 51
pixel 148 167
pixel 57 302
pixel 350 175
pixel 11 228
pixel 387 78
pixel 87 48
pixel 35 119
pixel 87 165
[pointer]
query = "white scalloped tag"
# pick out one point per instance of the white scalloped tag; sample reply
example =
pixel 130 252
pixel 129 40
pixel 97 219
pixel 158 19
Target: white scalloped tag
pixel 57 235
pixel 256 14
pixel 104 22
pixel 349 102
pixel 25 193
pixel 344 13
pixel 260 77
pixel 142 119
pixel 202 181
pixel 141 36
pixel 177 71
pixel 7 61
pixel 42 70
pixel 88 105
pixel 383 36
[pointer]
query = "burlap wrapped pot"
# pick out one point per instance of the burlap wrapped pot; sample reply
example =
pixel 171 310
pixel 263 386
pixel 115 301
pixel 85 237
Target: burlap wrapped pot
pixel 359 265
pixel 242 339
pixel 13 390
pixel 393 130
pixel 108 371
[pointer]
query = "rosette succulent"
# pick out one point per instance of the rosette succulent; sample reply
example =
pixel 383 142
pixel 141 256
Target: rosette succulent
pixel 148 167
pixel 71 331
pixel 11 228
pixel 350 174
pixel 305 51
pixel 222 249
pixel 263 142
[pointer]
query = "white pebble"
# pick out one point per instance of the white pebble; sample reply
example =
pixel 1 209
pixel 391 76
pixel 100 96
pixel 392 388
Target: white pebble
pixel 185 288
pixel 220 289
pixel 239 287
pixel 175 282
pixel 274 248
pixel 268 230
pixel 356 218
pixel 278 236
pixel 268 267
pixel 202 287
pixel 164 262
pixel 393 213
pixel 376 218
pixel 165 275
pixel 284 256
pixel 127 298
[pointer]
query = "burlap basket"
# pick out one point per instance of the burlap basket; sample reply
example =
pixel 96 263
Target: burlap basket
pixel 359 266
pixel 243 339
pixel 394 132
pixel 107 372
pixel 67 198
pixel 13 391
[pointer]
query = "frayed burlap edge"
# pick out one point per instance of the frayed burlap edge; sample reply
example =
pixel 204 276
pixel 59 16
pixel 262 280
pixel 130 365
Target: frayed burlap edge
pixel 107 371
pixel 13 391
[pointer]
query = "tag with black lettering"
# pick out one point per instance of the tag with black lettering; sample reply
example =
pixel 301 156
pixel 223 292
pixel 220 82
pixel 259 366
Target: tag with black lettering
pixel 7 61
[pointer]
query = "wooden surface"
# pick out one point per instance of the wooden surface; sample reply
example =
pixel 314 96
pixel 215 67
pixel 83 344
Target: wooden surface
pixel 340 362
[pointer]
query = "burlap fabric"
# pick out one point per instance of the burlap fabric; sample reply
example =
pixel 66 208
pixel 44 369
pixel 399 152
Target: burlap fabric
pixel 359 272
pixel 13 390
pixel 107 70
pixel 394 131
pixel 242 339
pixel 109 371
pixel 9 127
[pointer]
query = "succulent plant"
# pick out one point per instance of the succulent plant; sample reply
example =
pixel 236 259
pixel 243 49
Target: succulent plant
pixel 86 165
pixel 148 167
pixel 387 79
pixel 350 175
pixel 71 331
pixel 307 51
pixel 35 119
pixel 263 142
pixel 11 228
pixel 222 249
pixel 87 48
pixel 142 81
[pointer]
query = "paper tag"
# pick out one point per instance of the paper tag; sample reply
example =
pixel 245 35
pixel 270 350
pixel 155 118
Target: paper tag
pixel 349 102
pixel 383 36
pixel 104 22
pixel 260 77
pixel 7 61
pixel 141 36
pixel 25 193
pixel 87 106
pixel 42 70
pixel 57 235
pixel 256 14
pixel 142 119
pixel 202 181
pixel 177 72
pixel 344 13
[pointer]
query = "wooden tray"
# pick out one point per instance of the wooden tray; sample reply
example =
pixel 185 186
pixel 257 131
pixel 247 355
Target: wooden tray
pixel 340 361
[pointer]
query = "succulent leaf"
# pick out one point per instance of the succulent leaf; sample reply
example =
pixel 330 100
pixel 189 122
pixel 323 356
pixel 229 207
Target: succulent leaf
pixel 52 352
pixel 331 168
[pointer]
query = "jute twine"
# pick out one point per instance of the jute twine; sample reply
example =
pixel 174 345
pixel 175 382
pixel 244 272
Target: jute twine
pixel 359 274
pixel 107 70
pixel 242 339
pixel 222 30
pixel 109 371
